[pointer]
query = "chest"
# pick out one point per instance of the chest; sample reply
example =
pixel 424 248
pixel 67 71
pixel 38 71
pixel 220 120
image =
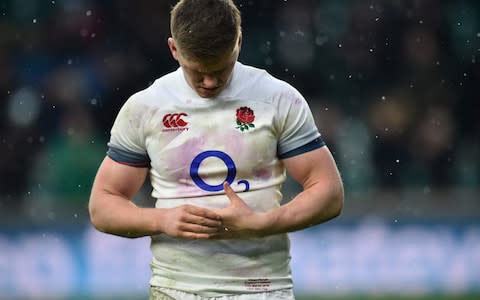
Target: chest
pixel 237 136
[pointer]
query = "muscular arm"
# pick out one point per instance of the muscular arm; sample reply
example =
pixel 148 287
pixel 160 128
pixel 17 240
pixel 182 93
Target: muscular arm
pixel 112 210
pixel 320 200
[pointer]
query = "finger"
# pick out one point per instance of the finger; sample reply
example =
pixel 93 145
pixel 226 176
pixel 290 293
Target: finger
pixel 195 236
pixel 230 192
pixel 203 212
pixel 222 235
pixel 194 219
pixel 194 228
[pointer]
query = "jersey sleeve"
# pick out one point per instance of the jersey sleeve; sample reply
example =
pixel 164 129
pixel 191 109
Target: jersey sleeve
pixel 127 139
pixel 298 132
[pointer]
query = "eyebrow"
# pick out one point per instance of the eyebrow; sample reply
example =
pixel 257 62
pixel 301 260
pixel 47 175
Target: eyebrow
pixel 209 72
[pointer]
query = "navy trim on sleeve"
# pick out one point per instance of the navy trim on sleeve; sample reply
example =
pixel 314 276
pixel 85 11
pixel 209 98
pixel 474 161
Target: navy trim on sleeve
pixel 129 158
pixel 315 144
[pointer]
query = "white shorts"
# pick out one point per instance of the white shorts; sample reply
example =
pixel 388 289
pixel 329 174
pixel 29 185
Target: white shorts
pixel 159 293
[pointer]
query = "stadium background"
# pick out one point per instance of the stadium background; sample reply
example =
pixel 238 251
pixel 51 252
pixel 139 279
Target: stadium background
pixel 394 89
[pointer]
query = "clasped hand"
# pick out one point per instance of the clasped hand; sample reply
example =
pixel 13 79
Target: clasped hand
pixel 235 221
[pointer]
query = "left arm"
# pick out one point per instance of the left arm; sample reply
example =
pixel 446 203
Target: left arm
pixel 322 195
pixel 320 200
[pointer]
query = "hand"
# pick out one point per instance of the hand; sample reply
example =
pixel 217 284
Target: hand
pixel 191 222
pixel 239 220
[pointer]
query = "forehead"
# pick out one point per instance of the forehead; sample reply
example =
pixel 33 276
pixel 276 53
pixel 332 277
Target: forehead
pixel 210 65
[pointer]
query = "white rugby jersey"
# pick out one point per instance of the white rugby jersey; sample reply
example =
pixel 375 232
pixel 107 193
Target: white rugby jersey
pixel 192 145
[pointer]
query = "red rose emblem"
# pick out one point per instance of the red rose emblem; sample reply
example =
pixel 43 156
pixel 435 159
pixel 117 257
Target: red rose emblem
pixel 245 118
pixel 245 115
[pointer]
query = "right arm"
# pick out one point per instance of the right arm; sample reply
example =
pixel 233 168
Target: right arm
pixel 112 210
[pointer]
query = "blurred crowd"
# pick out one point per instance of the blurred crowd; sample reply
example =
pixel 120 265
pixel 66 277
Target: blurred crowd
pixel 392 84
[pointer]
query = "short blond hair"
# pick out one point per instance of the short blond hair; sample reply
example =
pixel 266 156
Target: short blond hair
pixel 205 29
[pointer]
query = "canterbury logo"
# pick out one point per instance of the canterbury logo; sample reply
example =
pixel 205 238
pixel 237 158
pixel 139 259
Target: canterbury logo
pixel 174 120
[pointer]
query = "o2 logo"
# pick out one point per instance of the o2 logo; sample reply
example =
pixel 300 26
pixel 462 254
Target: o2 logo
pixel 231 171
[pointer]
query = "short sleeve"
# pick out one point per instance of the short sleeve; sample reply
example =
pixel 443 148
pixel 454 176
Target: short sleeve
pixel 296 125
pixel 127 140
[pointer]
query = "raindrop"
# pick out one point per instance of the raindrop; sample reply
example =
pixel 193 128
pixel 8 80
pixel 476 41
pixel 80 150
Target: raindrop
pixel 339 45
pixel 34 21
pixel 420 22
pixel 75 215
pixel 376 19
pixel 384 98
pixel 69 62
pixel 88 13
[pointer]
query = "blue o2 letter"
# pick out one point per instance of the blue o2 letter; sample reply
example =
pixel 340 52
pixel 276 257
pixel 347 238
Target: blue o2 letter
pixel 231 170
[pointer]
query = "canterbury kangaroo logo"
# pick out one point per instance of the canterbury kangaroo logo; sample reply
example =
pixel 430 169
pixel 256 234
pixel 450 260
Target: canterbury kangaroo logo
pixel 174 120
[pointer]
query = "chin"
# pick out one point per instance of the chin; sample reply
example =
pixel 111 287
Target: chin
pixel 208 94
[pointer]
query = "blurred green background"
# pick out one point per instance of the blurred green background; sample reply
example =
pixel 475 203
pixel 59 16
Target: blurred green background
pixel 393 86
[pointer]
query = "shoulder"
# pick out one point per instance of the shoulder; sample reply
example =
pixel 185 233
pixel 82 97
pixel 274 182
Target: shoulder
pixel 254 74
pixel 263 84
pixel 150 96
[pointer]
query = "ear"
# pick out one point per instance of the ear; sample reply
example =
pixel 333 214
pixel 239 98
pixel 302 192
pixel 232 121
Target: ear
pixel 240 36
pixel 173 48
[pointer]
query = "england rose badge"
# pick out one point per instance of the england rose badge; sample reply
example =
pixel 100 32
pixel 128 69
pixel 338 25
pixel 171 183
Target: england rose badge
pixel 245 118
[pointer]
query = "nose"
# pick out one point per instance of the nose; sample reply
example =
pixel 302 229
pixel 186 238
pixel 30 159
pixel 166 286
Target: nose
pixel 209 82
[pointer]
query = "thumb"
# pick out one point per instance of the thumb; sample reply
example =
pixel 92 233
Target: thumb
pixel 231 193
